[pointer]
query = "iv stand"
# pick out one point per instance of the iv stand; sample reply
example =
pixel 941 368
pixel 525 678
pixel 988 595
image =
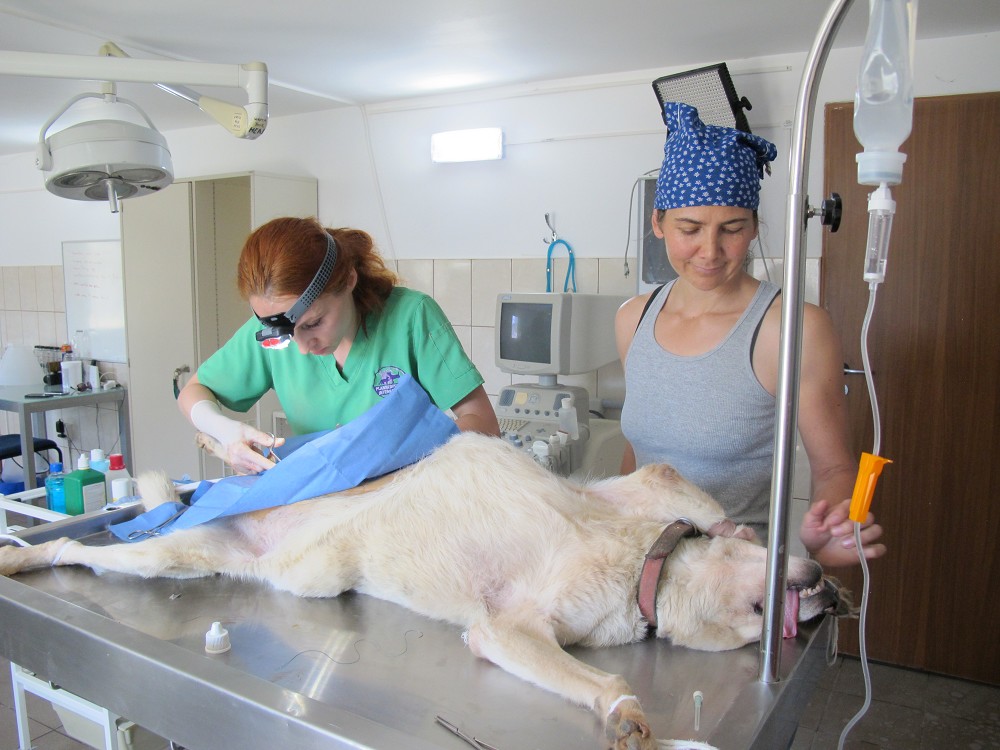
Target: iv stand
pixel 790 347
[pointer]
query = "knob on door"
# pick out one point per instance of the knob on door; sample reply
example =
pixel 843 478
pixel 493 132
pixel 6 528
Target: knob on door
pixel 177 379
pixel 848 370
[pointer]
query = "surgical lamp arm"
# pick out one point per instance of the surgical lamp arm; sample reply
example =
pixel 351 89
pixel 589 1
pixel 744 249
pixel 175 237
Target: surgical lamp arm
pixel 243 122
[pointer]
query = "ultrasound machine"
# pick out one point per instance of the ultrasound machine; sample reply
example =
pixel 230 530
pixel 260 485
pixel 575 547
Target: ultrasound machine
pixel 547 335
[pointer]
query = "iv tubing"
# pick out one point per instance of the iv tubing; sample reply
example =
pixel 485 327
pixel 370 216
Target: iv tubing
pixel 877 444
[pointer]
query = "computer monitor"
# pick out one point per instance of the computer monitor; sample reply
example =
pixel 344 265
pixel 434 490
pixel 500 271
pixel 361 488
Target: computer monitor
pixel 549 334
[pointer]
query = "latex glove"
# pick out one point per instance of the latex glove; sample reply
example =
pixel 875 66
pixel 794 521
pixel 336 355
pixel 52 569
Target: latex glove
pixel 242 443
pixel 828 534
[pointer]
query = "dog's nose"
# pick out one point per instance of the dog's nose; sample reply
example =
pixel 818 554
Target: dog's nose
pixel 839 597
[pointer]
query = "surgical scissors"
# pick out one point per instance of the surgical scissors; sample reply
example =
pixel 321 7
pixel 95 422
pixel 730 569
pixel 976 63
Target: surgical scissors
pixel 475 742
pixel 270 449
pixel 155 531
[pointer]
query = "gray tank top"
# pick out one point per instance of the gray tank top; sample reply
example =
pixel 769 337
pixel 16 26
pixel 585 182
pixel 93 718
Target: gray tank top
pixel 708 415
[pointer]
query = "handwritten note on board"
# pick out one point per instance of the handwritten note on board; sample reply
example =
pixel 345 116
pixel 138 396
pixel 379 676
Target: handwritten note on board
pixel 95 297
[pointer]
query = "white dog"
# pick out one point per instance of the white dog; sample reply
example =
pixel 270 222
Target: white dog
pixel 525 560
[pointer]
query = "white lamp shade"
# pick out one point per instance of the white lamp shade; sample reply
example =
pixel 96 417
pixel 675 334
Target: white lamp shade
pixel 18 366
pixel 86 155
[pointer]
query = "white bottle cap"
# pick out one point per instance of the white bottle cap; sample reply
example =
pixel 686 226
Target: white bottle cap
pixel 217 639
pixel 96 454
pixel 83 462
pixel 540 448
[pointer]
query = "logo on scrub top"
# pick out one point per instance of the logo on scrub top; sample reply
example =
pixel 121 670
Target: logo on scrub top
pixel 386 379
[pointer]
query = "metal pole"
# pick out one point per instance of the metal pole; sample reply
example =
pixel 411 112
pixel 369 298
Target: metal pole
pixel 790 346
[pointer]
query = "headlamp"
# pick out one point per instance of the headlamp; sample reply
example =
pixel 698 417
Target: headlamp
pixel 278 329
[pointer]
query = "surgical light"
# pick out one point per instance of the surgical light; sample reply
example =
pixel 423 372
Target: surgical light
pixel 710 90
pixel 106 158
pixel 476 144
pixel 112 156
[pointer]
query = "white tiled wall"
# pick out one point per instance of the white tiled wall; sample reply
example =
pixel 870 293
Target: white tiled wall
pixel 467 291
pixel 33 312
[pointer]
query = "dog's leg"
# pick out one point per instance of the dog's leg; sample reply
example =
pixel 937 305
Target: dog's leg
pixel 189 554
pixel 534 654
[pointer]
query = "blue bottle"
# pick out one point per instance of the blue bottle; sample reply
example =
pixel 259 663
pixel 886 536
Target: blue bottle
pixel 55 489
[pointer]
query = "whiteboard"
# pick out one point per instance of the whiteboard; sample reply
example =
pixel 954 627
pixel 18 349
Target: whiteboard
pixel 95 296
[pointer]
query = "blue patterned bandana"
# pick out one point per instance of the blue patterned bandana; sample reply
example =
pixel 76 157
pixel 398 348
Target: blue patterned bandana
pixel 709 165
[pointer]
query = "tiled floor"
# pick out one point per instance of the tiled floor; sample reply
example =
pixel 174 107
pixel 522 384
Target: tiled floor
pixel 909 711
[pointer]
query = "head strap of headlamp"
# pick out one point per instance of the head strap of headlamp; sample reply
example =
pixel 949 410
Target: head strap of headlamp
pixel 278 329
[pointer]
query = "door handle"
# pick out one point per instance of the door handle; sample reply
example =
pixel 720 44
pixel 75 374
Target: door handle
pixel 849 371
pixel 177 379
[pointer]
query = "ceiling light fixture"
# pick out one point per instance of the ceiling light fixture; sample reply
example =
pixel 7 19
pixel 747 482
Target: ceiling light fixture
pixel 116 155
pixel 477 144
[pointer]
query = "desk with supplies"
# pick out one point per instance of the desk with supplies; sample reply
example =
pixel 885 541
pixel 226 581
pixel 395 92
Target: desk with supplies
pixel 31 411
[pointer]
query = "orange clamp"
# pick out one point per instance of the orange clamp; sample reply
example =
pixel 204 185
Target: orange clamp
pixel 868 472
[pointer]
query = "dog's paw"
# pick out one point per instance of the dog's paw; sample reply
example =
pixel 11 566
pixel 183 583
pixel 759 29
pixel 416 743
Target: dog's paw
pixel 627 729
pixel 211 446
pixel 14 559
pixel 729 528
pixel 11 560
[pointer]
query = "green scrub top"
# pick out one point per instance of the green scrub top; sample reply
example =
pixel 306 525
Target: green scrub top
pixel 410 335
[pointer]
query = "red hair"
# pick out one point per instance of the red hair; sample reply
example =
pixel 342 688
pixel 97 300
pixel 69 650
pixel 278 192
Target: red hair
pixel 281 257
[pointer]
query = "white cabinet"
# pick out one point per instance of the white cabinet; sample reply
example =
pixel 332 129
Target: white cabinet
pixel 179 250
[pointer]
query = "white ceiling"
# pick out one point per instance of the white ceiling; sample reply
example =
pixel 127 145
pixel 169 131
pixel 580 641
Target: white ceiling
pixel 329 53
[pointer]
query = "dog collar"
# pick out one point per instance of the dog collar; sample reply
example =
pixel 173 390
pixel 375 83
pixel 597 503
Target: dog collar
pixel 652 566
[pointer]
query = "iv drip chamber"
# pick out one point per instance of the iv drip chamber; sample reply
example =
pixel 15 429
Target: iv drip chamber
pixel 881 208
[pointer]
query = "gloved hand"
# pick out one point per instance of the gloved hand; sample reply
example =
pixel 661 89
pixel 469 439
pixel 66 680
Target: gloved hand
pixel 242 443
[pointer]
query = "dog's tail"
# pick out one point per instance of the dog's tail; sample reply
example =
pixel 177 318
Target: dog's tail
pixel 156 488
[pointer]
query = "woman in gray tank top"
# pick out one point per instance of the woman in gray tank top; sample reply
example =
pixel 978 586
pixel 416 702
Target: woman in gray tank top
pixel 701 353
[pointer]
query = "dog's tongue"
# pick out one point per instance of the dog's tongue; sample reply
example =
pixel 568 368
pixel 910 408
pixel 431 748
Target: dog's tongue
pixel 791 613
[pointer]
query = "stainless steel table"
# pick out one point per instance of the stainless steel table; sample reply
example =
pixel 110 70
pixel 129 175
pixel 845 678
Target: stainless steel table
pixel 13 398
pixel 351 672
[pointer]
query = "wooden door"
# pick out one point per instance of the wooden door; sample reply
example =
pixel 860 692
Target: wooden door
pixel 934 346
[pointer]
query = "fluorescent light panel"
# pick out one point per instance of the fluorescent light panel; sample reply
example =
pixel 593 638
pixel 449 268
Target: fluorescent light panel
pixel 477 144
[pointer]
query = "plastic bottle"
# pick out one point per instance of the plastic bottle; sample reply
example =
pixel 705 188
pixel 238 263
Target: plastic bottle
pixel 81 343
pixel 567 419
pixel 98 462
pixel 540 452
pixel 117 470
pixel 93 375
pixel 85 489
pixel 55 488
pixel 883 103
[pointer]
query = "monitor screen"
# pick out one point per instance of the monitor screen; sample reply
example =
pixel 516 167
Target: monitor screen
pixel 550 334
pixel 526 331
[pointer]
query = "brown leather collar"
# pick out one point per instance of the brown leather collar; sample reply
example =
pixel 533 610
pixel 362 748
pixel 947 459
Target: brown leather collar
pixel 652 566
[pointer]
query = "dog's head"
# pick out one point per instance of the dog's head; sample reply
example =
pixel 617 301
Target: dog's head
pixel 711 596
